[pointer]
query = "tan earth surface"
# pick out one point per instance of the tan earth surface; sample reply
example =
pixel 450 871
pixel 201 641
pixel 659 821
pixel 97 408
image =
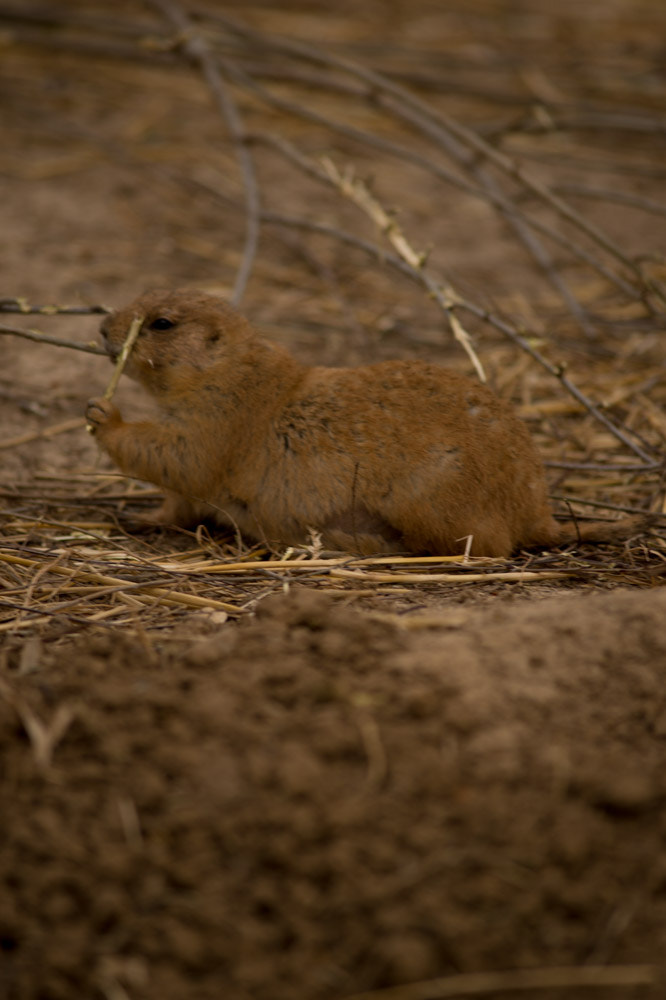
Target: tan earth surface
pixel 341 784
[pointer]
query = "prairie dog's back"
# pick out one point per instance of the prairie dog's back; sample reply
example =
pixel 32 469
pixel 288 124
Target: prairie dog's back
pixel 436 452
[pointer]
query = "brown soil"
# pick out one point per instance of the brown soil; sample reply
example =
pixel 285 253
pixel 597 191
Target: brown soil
pixel 318 803
pixel 357 790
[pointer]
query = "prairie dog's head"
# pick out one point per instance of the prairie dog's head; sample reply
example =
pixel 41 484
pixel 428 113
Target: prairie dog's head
pixel 182 332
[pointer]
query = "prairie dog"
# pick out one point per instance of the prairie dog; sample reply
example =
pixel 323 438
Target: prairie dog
pixel 399 456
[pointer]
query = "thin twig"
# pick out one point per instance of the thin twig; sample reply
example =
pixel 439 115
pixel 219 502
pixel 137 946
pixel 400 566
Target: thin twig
pixel 22 306
pixel 609 467
pixel 473 984
pixel 604 506
pixel 130 340
pixel 43 338
pixel 616 197
pixel 558 371
pixel 121 361
pixel 520 576
pixel 47 432
pixel 44 737
pixel 197 49
pixel 442 292
pixel 439 125
pixel 449 299
pixel 487 192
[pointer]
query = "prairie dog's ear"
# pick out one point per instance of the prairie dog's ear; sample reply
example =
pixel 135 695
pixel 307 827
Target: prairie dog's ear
pixel 213 335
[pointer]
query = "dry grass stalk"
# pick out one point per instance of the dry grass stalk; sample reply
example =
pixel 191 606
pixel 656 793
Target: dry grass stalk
pixel 149 590
pixel 352 187
pixel 48 432
pixel 520 576
pixel 334 96
pixel 384 95
pixel 44 737
pixel 460 141
pixel 128 344
pixel 24 308
pixel 33 597
pixel 452 300
pixel 474 984
pixel 42 338
pixel 168 583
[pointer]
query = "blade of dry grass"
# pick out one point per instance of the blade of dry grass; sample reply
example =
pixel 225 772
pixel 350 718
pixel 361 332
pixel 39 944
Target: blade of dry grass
pixel 149 589
pixel 76 423
pixel 125 351
pixel 474 984
pixel 24 308
pixel 519 576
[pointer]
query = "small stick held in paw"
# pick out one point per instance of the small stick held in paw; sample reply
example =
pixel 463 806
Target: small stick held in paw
pixel 121 361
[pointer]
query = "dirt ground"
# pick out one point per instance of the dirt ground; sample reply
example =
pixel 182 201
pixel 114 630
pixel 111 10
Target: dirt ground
pixel 339 785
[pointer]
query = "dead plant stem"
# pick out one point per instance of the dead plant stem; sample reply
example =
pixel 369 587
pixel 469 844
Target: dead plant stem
pixel 43 338
pixel 197 49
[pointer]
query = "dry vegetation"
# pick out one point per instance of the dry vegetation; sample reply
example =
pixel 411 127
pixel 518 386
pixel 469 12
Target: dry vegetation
pixel 194 739
pixel 362 166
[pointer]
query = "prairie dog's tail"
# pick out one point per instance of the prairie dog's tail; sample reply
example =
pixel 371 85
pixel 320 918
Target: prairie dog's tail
pixel 575 532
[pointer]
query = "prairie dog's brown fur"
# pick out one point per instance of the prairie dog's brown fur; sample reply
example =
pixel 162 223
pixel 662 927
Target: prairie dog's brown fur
pixel 395 456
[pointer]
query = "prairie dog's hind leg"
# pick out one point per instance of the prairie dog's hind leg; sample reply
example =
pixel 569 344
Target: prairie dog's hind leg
pixel 357 530
pixel 174 511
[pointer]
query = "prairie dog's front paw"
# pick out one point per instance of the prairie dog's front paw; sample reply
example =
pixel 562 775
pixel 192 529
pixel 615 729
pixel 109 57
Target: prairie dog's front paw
pixel 101 413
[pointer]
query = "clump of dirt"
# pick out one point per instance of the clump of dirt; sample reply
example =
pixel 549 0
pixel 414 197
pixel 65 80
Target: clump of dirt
pixel 317 802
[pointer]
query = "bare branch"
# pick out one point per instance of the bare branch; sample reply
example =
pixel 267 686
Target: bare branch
pixel 450 300
pixel 476 984
pixel 440 125
pixel 23 307
pixel 43 338
pixel 196 48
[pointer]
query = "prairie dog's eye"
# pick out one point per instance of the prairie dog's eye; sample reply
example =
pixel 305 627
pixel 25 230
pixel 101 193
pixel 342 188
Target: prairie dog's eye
pixel 162 323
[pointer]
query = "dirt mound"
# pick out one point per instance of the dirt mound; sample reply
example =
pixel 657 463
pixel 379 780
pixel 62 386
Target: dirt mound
pixel 309 805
